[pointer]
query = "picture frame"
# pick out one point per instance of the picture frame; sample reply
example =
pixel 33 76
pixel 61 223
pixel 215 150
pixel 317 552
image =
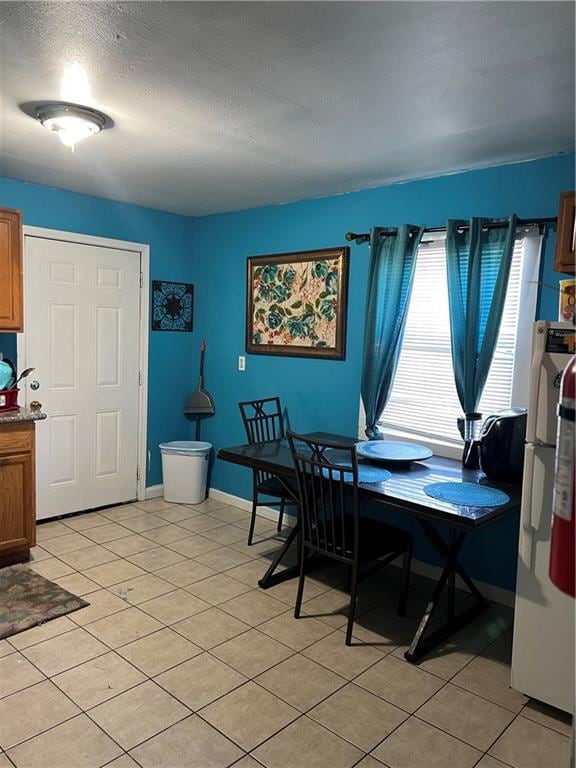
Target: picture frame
pixel 172 306
pixel 566 234
pixel 297 303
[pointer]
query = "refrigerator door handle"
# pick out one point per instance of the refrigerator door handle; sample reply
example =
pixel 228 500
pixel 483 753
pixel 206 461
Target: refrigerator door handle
pixel 526 524
pixel 541 477
pixel 538 347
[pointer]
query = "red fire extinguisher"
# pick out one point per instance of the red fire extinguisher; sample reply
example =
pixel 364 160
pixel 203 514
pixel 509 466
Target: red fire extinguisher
pixel 562 545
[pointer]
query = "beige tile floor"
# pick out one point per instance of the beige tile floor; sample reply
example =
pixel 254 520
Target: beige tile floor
pixel 180 661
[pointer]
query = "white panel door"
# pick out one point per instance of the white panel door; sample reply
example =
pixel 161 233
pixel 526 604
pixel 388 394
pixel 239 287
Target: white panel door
pixel 82 326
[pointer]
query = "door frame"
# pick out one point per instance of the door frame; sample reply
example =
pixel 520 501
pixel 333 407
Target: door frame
pixel 123 245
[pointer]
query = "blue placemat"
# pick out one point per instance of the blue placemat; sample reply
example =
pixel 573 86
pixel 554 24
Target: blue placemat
pixel 392 450
pixel 366 473
pixel 467 494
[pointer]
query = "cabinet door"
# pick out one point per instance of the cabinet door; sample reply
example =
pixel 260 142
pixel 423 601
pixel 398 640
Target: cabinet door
pixel 11 305
pixel 566 234
pixel 17 523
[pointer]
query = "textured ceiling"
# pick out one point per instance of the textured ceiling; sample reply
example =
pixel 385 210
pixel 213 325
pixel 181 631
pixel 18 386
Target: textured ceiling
pixel 221 106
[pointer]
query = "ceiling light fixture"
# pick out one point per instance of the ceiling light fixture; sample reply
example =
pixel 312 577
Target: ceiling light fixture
pixel 71 122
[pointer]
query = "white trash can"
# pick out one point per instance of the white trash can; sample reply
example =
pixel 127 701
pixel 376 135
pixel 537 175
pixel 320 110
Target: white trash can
pixel 184 470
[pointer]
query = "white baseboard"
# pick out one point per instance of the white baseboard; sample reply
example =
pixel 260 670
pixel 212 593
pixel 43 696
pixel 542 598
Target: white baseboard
pixel 490 592
pixel 154 491
pixel 246 504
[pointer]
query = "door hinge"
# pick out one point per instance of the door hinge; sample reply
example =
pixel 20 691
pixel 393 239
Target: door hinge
pixel 141 280
pixel 137 473
pixel 139 378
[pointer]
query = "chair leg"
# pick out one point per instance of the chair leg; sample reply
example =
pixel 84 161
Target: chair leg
pixel 405 581
pixel 352 610
pixel 347 577
pixel 281 515
pixel 301 578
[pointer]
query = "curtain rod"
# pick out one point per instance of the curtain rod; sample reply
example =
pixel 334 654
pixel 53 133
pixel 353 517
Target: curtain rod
pixel 364 237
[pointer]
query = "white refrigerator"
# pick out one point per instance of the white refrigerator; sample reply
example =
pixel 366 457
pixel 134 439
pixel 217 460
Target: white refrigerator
pixel 544 628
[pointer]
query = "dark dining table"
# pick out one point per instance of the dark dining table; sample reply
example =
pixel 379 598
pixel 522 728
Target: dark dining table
pixel 403 491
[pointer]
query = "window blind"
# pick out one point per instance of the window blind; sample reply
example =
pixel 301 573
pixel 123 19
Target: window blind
pixel 424 400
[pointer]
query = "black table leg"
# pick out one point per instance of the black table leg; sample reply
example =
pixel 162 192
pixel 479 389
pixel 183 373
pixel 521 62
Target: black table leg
pixel 451 580
pixel 270 578
pixel 424 641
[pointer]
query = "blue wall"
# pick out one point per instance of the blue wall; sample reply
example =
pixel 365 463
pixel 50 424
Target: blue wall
pixel 324 395
pixel 211 252
pixel 171 258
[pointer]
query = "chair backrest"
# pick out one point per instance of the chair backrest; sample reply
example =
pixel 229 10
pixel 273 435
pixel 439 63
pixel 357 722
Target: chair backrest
pixel 262 419
pixel 327 476
pixel 263 422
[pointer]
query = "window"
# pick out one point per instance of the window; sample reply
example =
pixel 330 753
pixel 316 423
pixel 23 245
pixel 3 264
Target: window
pixel 424 403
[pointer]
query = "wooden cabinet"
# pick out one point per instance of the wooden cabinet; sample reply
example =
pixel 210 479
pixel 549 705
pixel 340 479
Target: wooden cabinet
pixel 566 234
pixel 17 492
pixel 11 288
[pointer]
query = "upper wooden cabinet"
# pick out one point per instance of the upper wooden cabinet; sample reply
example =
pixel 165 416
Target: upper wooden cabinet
pixel 11 290
pixel 566 235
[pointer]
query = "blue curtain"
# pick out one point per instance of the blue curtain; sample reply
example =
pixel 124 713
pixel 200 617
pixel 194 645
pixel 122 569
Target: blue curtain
pixel 392 262
pixel 478 260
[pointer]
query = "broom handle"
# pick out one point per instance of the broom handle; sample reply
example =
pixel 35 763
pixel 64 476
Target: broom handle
pixel 202 351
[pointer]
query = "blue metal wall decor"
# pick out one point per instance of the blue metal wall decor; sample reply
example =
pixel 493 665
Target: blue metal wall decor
pixel 172 306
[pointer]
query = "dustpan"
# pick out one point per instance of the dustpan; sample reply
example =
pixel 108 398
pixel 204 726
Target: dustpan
pixel 200 402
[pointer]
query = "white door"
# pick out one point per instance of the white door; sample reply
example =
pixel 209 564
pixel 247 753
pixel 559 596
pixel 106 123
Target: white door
pixel 82 327
pixel 543 649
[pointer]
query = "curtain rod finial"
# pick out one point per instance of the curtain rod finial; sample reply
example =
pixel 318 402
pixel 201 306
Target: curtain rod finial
pixel 357 238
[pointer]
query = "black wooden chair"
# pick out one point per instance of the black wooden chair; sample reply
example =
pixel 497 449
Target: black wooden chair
pixel 263 422
pixel 331 523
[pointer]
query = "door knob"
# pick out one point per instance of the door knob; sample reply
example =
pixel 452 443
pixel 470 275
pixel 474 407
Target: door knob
pixel 34 385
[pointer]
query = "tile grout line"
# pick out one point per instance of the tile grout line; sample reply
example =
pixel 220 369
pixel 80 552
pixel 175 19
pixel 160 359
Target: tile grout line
pixel 490 701
pixel 301 714
pixel 410 714
pixel 87 711
pixel 447 682
pixel 510 724
pixel 248 679
pixel 293 652
pixel 368 609
pixel 66 720
pixel 251 627
pixel 550 728
pixel 252 679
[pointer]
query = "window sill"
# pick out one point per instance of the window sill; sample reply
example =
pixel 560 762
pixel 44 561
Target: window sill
pixel 444 448
pixel 439 447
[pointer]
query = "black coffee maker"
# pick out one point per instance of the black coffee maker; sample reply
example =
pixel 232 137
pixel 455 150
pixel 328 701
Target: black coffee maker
pixel 502 442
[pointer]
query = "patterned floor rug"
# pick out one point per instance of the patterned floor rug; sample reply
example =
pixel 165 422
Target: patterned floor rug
pixel 28 599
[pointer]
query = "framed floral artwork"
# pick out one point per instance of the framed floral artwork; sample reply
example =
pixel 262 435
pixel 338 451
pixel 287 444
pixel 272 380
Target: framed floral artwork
pixel 172 306
pixel 297 304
